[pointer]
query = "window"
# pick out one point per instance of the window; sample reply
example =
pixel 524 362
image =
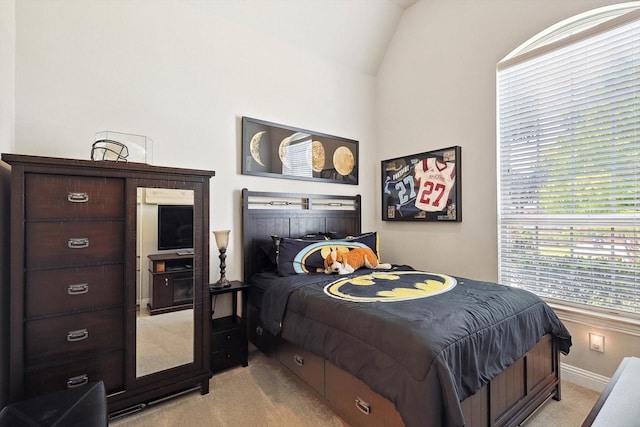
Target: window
pixel 569 165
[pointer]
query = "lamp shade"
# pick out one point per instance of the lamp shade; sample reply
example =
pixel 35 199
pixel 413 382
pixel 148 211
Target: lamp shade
pixel 222 238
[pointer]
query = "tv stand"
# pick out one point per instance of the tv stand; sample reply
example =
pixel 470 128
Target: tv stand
pixel 171 279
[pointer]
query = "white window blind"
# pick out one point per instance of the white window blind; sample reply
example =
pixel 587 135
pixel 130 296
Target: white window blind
pixel 295 154
pixel 569 169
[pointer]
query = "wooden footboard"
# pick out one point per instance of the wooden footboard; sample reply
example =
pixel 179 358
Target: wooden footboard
pixel 507 400
pixel 516 393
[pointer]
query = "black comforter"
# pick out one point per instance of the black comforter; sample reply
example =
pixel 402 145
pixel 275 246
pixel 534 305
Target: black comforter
pixel 425 355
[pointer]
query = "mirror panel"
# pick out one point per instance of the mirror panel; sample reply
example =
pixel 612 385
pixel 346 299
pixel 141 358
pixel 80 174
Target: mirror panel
pixel 164 279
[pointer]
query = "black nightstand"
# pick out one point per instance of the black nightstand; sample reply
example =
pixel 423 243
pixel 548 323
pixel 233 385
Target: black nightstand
pixel 229 343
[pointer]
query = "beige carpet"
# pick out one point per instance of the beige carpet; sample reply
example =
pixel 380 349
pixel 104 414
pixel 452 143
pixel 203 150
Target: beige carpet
pixel 262 394
pixel 163 341
pixel 569 412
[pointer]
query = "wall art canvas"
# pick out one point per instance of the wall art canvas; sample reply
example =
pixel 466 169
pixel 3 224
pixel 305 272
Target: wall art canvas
pixel 274 150
pixel 423 187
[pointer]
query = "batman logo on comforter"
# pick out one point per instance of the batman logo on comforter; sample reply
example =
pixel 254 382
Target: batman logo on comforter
pixel 390 286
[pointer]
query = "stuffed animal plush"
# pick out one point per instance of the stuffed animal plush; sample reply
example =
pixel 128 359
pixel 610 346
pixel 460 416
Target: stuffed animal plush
pixel 349 261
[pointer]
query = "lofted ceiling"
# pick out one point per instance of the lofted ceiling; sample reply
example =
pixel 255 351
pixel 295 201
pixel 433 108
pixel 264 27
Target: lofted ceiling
pixel 354 33
pixel 403 3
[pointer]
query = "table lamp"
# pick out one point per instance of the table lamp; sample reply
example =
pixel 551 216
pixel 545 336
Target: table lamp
pixel 222 241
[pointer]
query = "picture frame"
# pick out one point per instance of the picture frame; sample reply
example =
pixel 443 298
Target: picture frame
pixel 423 187
pixel 279 151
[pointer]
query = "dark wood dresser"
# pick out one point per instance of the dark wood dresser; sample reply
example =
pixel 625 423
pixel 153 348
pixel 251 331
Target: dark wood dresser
pixel 73 269
pixel 74 262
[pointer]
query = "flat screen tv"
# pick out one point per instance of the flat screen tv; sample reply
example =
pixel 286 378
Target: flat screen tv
pixel 175 227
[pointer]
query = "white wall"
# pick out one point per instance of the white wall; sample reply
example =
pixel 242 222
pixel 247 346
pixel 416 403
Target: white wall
pixel 436 88
pixel 183 73
pixel 7 74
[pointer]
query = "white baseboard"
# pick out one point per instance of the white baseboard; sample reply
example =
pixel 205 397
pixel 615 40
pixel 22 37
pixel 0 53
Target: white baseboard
pixel 583 378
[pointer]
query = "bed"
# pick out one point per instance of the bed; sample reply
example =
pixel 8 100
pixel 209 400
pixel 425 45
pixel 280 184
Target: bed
pixel 471 353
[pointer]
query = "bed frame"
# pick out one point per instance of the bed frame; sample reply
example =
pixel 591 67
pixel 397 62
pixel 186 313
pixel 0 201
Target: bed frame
pixel 508 400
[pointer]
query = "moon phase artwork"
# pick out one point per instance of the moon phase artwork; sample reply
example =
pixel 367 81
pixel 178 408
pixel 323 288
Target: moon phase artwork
pixel 274 150
pixel 254 147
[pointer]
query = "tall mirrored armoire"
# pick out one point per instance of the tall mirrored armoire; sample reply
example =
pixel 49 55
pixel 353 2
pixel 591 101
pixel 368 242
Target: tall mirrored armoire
pixel 83 237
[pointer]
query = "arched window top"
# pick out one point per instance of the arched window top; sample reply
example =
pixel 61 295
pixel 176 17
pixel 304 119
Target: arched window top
pixel 570 27
pixel 568 162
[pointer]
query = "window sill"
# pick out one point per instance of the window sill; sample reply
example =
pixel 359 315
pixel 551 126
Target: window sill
pixel 617 323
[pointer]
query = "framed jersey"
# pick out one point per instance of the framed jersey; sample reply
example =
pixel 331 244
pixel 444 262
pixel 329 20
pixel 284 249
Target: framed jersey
pixel 423 187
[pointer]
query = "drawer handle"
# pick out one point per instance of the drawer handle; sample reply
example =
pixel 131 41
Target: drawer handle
pixel 363 406
pixel 78 242
pixel 298 359
pixel 78 197
pixel 79 289
pixel 259 330
pixel 79 335
pixel 77 381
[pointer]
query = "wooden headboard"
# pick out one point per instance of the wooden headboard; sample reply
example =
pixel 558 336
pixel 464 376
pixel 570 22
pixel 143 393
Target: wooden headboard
pixel 291 215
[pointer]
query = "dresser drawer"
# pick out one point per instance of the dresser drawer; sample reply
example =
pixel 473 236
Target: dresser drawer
pixel 229 357
pixel 257 333
pixel 62 196
pixel 108 367
pixel 306 365
pixel 70 289
pixel 69 244
pixel 354 400
pixel 227 339
pixel 73 335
